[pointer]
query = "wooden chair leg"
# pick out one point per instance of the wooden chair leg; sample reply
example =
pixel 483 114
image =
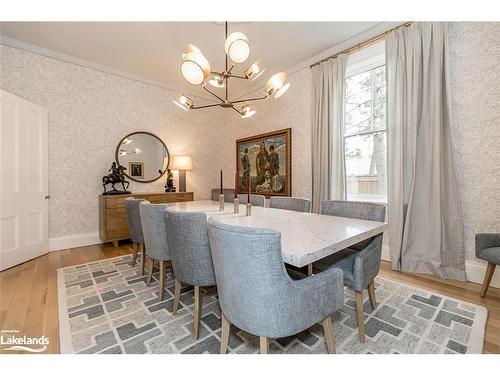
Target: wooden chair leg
pixel 143 259
pixel 161 294
pixel 177 296
pixel 264 345
pixel 487 279
pixel 371 293
pixel 134 255
pixel 328 328
pixel 197 313
pixel 224 338
pixel 310 269
pixel 150 272
pixel 360 316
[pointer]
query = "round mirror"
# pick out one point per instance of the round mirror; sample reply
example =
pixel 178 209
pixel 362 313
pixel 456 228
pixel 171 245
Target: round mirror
pixel 144 155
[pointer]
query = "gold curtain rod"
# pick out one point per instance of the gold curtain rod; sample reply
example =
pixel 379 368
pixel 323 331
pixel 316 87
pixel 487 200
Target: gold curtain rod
pixel 363 44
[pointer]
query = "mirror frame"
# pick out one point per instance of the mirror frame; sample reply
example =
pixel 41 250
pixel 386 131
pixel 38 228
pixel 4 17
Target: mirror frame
pixel 153 135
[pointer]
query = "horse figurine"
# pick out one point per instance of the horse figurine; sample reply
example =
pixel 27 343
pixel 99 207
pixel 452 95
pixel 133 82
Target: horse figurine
pixel 117 175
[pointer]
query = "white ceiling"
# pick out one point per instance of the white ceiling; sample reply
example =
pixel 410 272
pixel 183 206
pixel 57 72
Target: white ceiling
pixel 152 49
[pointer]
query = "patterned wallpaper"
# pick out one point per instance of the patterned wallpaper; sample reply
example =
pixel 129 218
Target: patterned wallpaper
pixel 475 84
pixel 89 112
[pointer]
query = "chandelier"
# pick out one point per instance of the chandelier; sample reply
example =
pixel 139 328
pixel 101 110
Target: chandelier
pixel 196 70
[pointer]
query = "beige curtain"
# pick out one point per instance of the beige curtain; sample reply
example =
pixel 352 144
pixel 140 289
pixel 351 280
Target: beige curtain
pixel 425 225
pixel 328 91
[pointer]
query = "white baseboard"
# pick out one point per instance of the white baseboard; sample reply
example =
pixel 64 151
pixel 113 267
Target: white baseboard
pixel 475 270
pixel 75 240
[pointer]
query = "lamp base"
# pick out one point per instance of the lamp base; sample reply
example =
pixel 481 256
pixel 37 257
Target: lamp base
pixel 182 181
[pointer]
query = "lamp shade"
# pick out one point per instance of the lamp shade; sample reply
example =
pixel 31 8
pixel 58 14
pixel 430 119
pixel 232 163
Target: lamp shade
pixel 277 85
pixel 181 163
pixel 195 67
pixel 237 47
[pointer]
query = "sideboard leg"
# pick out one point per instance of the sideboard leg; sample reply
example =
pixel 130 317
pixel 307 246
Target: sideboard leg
pixel 115 243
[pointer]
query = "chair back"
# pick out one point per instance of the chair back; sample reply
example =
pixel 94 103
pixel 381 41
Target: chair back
pixel 355 210
pixel 187 237
pixel 255 200
pixel 291 203
pixel 228 195
pixel 250 273
pixel 153 228
pixel 134 219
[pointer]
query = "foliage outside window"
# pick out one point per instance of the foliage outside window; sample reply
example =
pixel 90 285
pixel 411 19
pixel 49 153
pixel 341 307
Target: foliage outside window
pixel 365 135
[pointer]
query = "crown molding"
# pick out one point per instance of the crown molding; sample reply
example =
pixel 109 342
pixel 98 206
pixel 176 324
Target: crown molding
pixel 28 47
pixel 358 38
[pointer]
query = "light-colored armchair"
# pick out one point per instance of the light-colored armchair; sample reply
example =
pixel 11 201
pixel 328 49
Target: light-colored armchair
pixel 361 262
pixel 257 295
pixel 291 203
pixel 488 249
pixel 187 237
pixel 228 195
pixel 155 239
pixel 255 200
pixel 135 230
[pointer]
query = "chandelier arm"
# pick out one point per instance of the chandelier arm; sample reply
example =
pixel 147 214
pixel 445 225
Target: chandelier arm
pixel 217 96
pixel 237 110
pixel 235 76
pixel 205 106
pixel 248 100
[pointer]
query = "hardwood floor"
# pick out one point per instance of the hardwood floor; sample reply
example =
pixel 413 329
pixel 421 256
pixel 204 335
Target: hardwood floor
pixel 28 293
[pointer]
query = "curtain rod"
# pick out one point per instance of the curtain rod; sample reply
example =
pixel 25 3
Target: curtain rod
pixel 363 44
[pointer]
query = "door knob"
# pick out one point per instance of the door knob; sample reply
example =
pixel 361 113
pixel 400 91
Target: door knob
pixel 46 197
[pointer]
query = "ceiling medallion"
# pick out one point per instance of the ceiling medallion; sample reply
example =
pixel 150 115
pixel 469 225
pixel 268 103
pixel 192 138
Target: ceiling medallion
pixel 196 70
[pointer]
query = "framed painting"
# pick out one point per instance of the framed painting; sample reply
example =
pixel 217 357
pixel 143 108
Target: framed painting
pixel 264 162
pixel 136 169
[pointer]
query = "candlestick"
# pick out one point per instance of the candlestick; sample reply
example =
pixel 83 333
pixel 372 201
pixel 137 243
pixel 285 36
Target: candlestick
pixel 236 205
pixel 221 189
pixel 249 209
pixel 221 202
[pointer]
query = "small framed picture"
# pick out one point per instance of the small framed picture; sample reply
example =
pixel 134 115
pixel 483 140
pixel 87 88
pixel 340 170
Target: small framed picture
pixel 136 169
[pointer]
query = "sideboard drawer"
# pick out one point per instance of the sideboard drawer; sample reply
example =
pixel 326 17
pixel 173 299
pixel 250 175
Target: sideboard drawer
pixel 113 224
pixel 117 223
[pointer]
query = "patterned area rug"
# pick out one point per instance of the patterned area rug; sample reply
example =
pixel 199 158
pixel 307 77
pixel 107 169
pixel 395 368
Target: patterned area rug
pixel 106 307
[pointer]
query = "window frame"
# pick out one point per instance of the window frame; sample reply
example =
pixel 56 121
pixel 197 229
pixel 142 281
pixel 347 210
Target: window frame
pixel 365 60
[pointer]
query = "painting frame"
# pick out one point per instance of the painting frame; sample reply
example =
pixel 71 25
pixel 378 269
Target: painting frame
pixel 286 134
pixel 133 166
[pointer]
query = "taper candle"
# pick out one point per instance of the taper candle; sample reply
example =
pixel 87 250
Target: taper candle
pixel 236 185
pixel 221 188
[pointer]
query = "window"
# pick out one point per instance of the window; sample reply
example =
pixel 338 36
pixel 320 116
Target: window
pixel 365 127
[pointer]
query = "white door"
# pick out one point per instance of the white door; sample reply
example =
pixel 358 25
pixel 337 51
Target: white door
pixel 23 180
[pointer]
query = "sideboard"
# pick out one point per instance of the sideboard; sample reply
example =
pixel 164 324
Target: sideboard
pixel 113 224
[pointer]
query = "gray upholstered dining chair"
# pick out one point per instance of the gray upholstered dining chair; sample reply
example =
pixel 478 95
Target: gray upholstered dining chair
pixel 255 200
pixel 488 249
pixel 291 203
pixel 360 262
pixel 135 230
pixel 228 195
pixel 257 295
pixel 155 240
pixel 187 237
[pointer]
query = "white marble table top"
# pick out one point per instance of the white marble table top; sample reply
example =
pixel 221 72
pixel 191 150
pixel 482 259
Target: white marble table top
pixel 305 237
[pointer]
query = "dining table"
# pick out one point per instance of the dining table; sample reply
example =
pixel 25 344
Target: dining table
pixel 305 237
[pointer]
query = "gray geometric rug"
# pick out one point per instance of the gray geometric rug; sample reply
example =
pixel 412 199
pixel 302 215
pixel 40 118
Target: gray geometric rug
pixel 106 307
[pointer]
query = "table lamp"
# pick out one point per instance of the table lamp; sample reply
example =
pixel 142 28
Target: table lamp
pixel 182 164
